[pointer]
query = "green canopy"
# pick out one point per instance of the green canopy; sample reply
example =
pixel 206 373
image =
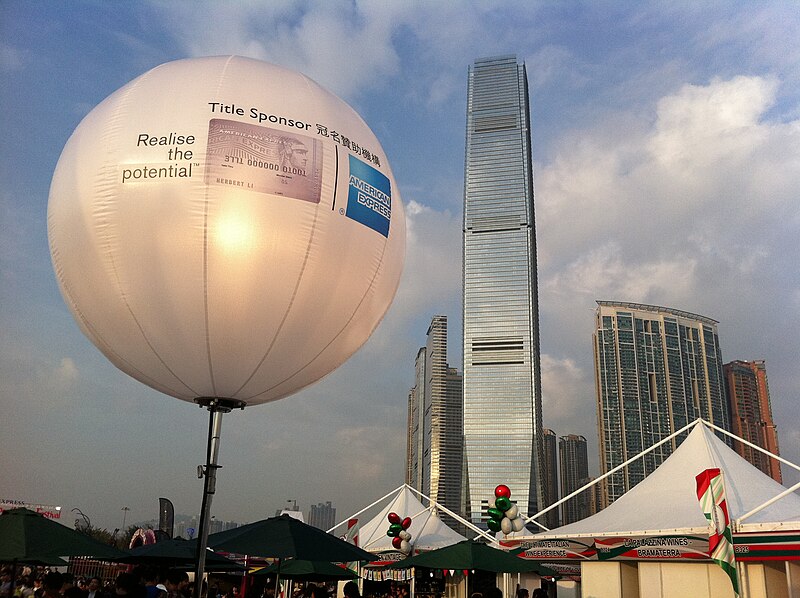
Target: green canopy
pixel 471 554
pixel 286 537
pixel 307 570
pixel 178 553
pixel 27 536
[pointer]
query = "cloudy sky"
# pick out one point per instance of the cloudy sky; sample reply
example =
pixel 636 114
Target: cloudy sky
pixel 666 143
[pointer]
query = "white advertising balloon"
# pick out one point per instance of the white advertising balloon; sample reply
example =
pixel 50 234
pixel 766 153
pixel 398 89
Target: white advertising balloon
pixel 224 227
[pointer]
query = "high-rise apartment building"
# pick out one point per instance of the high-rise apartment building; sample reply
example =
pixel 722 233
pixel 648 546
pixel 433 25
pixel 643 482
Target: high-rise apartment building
pixel 751 414
pixel 434 452
pixel 656 370
pixel 574 474
pixel 502 390
pixel 550 477
pixel 322 515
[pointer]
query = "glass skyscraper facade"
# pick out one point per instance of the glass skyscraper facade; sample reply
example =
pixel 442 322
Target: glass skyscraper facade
pixel 656 370
pixel 502 394
pixel 434 454
pixel 574 474
pixel 550 477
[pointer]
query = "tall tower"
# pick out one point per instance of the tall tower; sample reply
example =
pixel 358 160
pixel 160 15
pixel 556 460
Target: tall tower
pixel 751 414
pixel 502 390
pixel 656 370
pixel 550 477
pixel 434 455
pixel 574 474
pixel 322 515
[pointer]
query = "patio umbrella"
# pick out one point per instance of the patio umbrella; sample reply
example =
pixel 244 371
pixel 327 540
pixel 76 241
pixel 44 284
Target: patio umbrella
pixel 286 537
pixel 28 536
pixel 307 570
pixel 470 554
pixel 178 553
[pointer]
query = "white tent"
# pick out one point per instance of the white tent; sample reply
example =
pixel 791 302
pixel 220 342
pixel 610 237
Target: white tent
pixel 653 540
pixel 428 532
pixel 665 502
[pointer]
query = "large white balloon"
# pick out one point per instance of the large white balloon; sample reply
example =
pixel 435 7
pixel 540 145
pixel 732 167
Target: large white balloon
pixel 224 227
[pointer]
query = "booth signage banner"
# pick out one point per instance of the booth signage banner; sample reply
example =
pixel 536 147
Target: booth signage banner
pixel 655 548
pixel 556 549
pixel 772 546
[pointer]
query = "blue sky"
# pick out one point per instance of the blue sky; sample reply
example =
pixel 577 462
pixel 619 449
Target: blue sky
pixel 666 144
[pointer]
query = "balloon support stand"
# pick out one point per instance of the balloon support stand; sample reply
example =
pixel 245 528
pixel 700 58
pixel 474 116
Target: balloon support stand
pixel 216 408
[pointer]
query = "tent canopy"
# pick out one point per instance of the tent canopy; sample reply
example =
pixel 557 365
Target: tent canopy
pixel 428 532
pixel 665 502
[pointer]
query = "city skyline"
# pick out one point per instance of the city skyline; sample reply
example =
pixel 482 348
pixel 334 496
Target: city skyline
pixel 501 306
pixel 666 143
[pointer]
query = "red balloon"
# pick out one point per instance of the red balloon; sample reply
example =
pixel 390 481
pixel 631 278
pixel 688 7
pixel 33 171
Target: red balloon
pixel 396 541
pixel 406 523
pixel 502 490
pixel 394 518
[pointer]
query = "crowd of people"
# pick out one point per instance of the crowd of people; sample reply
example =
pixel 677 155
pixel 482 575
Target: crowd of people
pixel 141 582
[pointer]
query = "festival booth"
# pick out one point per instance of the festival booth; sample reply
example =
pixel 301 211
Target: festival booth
pixel 658 539
pixel 425 532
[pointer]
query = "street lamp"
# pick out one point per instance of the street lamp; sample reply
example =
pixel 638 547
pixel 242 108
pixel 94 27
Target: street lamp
pixel 124 516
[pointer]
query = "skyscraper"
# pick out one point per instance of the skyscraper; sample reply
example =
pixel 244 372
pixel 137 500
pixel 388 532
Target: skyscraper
pixel 434 455
pixel 322 515
pixel 751 414
pixel 656 370
pixel 502 391
pixel 550 477
pixel 574 474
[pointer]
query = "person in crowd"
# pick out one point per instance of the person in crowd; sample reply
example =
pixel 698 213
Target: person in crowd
pixel 176 583
pixel 350 590
pixel 522 592
pixel 5 583
pixel 69 589
pixel 151 581
pixel 95 588
pixel 539 593
pixel 51 586
pixel 128 585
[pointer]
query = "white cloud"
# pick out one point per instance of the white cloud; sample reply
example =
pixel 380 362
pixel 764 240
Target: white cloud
pixel 67 371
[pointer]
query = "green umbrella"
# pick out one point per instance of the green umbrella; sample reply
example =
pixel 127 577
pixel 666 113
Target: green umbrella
pixel 286 537
pixel 307 570
pixel 178 553
pixel 29 536
pixel 470 554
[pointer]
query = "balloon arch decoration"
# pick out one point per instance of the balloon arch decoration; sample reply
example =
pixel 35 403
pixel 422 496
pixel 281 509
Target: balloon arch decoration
pixel 227 232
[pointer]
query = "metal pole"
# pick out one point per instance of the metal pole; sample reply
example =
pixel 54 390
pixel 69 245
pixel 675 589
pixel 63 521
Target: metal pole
pixel 216 408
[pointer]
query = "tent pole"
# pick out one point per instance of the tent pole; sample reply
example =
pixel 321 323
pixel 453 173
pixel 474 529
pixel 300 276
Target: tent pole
pixel 216 408
pixel 751 445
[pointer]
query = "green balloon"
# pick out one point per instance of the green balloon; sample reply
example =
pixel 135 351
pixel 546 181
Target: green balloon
pixel 502 503
pixel 495 514
pixel 494 525
pixel 391 533
pixel 396 528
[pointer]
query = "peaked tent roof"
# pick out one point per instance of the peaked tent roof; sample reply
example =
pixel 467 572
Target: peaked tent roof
pixel 666 501
pixel 427 530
